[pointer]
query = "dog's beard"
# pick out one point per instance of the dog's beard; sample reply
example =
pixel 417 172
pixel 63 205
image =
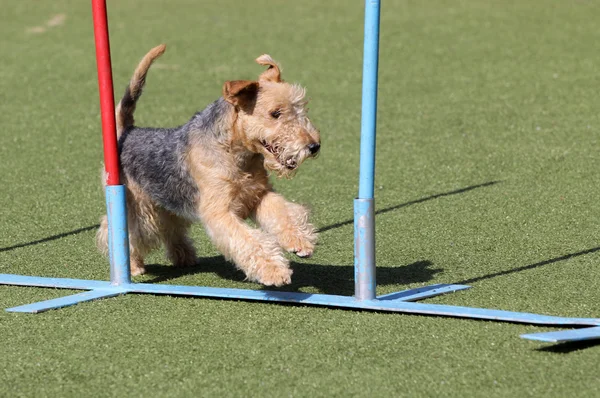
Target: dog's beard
pixel 284 162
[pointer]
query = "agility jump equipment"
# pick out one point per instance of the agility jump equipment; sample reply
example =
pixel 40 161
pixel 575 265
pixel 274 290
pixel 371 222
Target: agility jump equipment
pixel 365 297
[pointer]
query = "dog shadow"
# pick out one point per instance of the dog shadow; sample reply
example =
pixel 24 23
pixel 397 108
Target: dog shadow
pixel 325 279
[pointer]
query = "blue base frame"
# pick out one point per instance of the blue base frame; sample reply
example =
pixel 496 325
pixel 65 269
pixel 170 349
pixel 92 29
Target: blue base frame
pixel 395 302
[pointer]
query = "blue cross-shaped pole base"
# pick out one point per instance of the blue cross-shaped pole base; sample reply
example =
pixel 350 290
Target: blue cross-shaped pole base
pixel 402 302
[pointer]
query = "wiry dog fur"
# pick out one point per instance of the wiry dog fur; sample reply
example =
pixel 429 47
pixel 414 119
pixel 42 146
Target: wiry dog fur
pixel 214 169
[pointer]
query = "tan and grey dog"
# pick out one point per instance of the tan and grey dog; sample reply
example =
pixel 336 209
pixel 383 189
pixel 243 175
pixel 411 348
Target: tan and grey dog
pixel 215 169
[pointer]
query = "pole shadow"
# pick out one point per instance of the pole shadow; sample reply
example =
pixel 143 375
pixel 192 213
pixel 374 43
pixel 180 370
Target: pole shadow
pixel 413 202
pixel 50 238
pixel 528 267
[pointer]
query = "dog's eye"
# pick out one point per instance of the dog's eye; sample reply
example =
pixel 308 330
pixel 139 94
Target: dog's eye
pixel 275 114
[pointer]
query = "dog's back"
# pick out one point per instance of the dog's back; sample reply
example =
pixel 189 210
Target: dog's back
pixel 153 158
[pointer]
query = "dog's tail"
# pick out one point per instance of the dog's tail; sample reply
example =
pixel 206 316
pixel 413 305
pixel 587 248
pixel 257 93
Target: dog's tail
pixel 126 107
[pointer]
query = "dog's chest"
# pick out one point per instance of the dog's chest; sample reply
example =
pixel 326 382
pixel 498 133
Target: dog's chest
pixel 248 188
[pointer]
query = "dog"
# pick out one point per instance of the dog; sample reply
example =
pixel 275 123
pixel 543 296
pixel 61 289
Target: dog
pixel 215 169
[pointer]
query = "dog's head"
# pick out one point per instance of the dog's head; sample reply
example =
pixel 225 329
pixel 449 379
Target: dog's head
pixel 272 119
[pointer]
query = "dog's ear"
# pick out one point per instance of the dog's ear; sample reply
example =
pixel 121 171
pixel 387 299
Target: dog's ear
pixel 240 92
pixel 273 74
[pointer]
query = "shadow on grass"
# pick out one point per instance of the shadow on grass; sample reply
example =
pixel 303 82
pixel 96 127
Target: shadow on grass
pixel 528 267
pixel 327 279
pixel 567 348
pixel 319 275
pixel 50 238
pixel 323 229
pixel 414 202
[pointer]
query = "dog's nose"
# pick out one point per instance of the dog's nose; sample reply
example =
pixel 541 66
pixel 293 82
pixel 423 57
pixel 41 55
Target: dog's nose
pixel 314 148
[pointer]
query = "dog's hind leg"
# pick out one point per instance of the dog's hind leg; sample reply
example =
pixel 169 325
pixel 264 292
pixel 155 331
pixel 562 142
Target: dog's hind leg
pixel 174 235
pixel 144 227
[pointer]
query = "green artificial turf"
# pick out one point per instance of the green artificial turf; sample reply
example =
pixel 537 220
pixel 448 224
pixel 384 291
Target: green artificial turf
pixel 487 174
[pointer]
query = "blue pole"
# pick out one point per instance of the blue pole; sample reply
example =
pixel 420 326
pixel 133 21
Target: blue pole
pixel 118 235
pixel 364 205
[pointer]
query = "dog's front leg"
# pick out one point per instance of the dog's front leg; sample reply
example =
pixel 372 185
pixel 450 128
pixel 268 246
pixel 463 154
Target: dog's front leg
pixel 257 254
pixel 289 222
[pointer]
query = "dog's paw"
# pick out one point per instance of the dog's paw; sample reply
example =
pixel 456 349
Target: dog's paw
pixel 136 270
pixel 275 276
pixel 300 246
pixel 303 253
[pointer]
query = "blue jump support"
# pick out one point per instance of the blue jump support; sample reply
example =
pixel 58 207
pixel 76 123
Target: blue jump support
pixel 365 278
pixel 365 297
